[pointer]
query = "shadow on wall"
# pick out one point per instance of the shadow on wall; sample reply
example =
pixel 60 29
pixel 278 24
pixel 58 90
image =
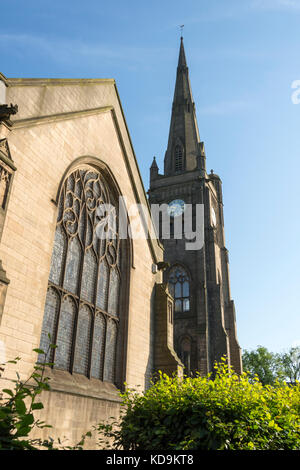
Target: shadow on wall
pixel 150 362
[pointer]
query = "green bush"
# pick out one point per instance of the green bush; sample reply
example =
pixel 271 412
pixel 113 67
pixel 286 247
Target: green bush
pixel 201 413
pixel 18 407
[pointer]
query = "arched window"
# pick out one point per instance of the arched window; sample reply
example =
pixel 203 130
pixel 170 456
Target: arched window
pixel 179 287
pixel 178 158
pixel 82 303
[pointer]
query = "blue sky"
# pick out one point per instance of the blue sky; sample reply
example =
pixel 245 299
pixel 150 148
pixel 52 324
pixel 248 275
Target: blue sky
pixel 243 57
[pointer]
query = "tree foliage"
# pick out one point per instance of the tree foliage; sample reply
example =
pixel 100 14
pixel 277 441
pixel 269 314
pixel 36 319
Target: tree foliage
pixel 290 363
pixel 270 367
pixel 201 413
pixel 263 364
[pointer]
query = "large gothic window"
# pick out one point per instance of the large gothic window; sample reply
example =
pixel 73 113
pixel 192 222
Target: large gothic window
pixel 179 287
pixel 82 304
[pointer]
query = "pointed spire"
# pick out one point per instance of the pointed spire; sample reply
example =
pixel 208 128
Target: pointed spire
pixel 184 147
pixel 182 58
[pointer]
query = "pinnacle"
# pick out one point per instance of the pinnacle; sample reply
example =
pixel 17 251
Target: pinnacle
pixel 154 164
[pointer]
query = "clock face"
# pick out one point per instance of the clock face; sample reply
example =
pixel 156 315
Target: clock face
pixel 213 217
pixel 176 207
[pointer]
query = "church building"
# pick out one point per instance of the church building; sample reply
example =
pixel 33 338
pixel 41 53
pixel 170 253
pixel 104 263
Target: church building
pixel 119 308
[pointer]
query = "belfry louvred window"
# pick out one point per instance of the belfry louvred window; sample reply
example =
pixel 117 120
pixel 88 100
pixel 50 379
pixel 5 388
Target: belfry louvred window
pixel 178 158
pixel 82 303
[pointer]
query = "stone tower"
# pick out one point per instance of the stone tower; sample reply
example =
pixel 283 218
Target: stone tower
pixel 198 279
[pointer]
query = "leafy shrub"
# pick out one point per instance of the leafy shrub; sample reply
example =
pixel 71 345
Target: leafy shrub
pixel 17 408
pixel 201 413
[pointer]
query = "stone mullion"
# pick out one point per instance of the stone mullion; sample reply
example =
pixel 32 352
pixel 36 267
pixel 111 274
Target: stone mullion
pixel 94 313
pixel 54 339
pixel 62 274
pixel 84 213
pixel 91 343
pixel 104 347
pixel 107 317
pixel 96 308
pixel 115 352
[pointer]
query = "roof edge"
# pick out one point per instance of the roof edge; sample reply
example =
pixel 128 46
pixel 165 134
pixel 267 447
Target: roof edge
pixel 56 81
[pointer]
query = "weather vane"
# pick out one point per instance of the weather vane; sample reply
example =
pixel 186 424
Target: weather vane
pixel 181 28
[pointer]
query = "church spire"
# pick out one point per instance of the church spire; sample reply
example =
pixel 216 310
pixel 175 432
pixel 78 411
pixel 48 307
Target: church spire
pixel 185 152
pixel 182 59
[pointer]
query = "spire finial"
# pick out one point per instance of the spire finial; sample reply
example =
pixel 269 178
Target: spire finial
pixel 181 31
pixel 182 59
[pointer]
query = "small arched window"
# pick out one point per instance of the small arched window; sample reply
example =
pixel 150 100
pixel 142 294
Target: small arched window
pixel 82 303
pixel 178 158
pixel 179 287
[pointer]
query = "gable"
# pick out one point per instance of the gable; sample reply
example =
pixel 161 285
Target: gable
pixel 54 103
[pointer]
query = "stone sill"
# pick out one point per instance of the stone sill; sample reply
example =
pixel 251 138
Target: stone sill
pixel 79 385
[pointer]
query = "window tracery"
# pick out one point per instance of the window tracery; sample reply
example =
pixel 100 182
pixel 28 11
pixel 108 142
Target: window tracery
pixel 179 287
pixel 82 303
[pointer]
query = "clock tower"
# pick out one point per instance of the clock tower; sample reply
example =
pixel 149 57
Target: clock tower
pixel 198 278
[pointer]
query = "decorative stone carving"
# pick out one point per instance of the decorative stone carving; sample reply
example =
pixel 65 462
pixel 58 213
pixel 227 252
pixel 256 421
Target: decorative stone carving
pixel 6 111
pixel 4 149
pixel 5 177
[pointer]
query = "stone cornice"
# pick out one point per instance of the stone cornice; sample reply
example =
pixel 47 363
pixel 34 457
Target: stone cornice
pixel 11 82
pixel 3 78
pixel 38 120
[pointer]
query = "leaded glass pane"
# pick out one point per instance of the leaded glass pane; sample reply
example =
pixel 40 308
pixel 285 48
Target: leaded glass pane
pixel 71 182
pixel 178 306
pixel 70 220
pixel 110 351
pixel 83 333
pixel 82 228
pixel 58 255
pixel 102 241
pixel 69 201
pixel 177 290
pixel 78 188
pixel 72 266
pixel 65 334
pixel 49 323
pixel 89 232
pixel 98 347
pixel 113 295
pixel 95 242
pixel 186 290
pixel 102 285
pixel 89 276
